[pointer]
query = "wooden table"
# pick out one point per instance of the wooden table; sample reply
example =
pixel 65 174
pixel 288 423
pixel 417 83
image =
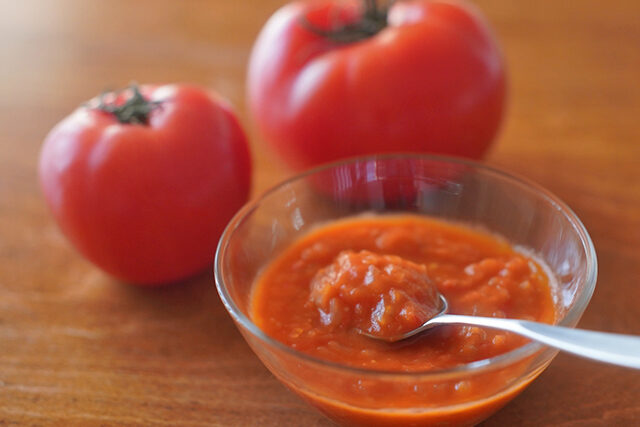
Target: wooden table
pixel 79 348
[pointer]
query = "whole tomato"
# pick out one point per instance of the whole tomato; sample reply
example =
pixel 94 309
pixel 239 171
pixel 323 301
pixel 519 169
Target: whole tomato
pixel 144 181
pixel 329 79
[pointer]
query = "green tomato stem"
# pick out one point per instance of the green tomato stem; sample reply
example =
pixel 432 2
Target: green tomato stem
pixel 371 21
pixel 135 110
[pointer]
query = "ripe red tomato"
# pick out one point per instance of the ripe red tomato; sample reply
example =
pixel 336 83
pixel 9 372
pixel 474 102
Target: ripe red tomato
pixel 144 182
pixel 328 80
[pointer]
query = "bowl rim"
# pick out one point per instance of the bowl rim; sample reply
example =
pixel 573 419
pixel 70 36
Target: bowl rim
pixel 570 318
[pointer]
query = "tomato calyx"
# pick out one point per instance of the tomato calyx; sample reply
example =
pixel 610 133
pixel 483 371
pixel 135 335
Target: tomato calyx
pixel 372 19
pixel 134 110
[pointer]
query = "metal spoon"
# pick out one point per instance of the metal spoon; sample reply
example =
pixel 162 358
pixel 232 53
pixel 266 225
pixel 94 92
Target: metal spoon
pixel 617 349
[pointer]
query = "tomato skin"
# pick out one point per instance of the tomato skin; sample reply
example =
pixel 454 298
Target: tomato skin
pixel 432 81
pixel 147 203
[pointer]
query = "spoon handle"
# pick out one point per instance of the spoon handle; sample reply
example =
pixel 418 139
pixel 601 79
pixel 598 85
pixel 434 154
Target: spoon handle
pixel 617 349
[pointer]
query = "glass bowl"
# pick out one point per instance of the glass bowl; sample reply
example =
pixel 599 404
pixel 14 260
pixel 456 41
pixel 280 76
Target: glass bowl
pixel 455 190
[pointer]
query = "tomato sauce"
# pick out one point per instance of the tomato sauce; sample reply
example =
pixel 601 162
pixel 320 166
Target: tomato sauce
pixel 381 295
pixel 381 275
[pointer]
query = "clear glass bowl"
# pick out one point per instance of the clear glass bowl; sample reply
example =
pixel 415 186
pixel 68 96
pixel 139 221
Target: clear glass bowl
pixel 457 190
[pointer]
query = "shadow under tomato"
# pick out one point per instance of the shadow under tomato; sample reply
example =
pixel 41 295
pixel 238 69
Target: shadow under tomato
pixel 184 319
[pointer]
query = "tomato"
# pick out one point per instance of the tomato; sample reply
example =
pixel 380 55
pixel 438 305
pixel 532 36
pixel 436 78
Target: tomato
pixel 143 181
pixel 329 80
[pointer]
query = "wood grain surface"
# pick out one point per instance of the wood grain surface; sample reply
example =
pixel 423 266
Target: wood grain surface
pixel 79 348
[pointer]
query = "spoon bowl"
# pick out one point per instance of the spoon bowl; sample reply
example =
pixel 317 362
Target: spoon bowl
pixel 429 324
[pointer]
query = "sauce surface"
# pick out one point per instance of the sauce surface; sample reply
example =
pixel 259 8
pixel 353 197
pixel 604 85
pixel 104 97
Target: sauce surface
pixel 381 295
pixel 379 274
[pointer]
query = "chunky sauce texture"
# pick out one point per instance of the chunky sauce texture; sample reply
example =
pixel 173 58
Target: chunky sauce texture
pixel 381 295
pixel 379 274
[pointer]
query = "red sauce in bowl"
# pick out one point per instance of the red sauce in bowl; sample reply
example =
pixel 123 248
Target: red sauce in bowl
pixel 379 274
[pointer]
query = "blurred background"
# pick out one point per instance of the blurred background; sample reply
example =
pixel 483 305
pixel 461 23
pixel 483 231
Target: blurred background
pixel 573 70
pixel 572 125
